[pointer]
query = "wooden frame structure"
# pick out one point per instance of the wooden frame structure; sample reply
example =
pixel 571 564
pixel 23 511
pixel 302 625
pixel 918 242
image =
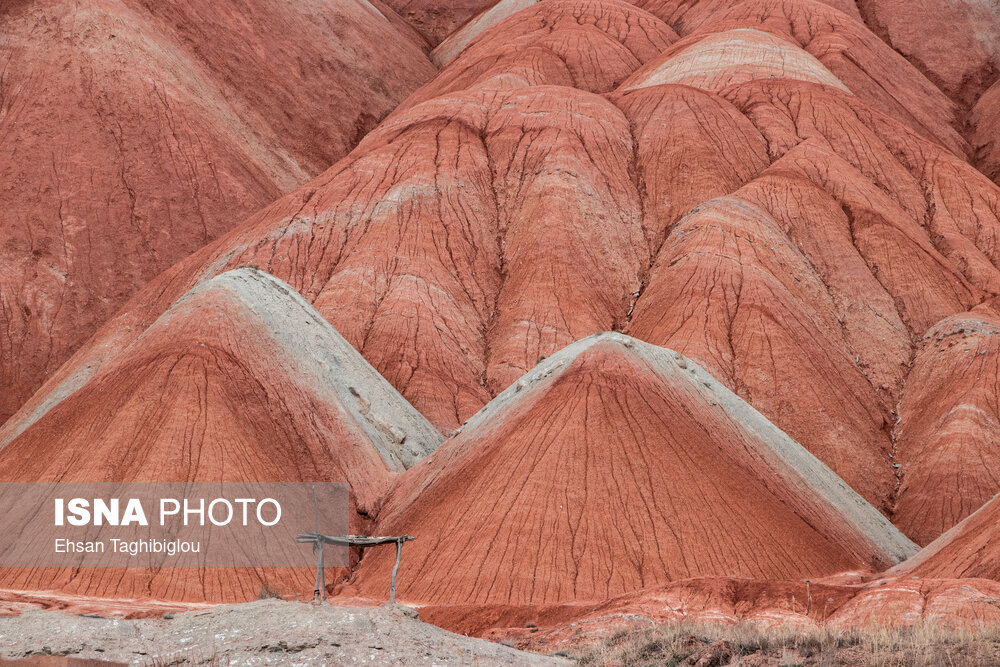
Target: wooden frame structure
pixel 318 540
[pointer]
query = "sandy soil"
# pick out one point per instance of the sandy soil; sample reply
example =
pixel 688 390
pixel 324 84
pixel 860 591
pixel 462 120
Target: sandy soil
pixel 267 632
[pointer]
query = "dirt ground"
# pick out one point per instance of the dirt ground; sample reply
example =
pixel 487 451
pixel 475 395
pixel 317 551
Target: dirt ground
pixel 749 645
pixel 267 632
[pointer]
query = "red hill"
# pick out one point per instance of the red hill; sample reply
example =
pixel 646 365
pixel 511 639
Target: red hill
pixel 136 132
pixel 239 381
pixel 617 465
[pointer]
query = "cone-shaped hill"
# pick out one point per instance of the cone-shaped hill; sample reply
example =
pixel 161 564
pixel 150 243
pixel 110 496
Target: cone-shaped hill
pixel 241 380
pixel 616 465
pixel 792 235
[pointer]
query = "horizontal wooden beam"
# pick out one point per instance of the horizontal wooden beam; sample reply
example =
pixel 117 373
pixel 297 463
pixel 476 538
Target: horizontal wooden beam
pixel 351 540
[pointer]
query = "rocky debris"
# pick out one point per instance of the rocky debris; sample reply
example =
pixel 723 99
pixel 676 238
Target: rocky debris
pixel 268 632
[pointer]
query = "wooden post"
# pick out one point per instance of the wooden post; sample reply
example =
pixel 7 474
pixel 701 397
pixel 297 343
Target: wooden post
pixel 318 540
pixel 395 569
pixel 319 595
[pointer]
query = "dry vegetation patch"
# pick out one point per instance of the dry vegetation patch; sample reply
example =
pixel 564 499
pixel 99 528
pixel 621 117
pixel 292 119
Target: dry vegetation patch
pixel 708 645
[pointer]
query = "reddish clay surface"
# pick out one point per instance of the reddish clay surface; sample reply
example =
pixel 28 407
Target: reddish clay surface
pixel 985 122
pixel 135 132
pixel 497 295
pixel 436 19
pixel 592 46
pixel 856 58
pixel 723 600
pixel 834 603
pixel 14 603
pixel 243 382
pixel 968 604
pixel 787 197
pixel 815 224
pixel 970 549
pixel 956 43
pixel 611 467
pixel 687 15
pixel 948 438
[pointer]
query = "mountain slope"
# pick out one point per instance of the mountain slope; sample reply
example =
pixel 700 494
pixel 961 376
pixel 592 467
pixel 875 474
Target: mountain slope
pixel 135 132
pixel 612 466
pixel 971 549
pixel 505 210
pixel 239 381
pixel 949 434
